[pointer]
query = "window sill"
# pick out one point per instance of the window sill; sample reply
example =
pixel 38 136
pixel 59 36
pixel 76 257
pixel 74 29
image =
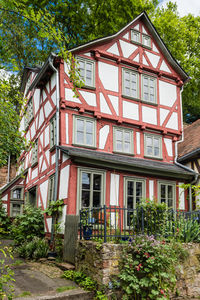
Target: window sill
pixel 137 43
pixel 153 157
pixel 88 87
pixel 147 47
pixel 150 103
pixel 85 146
pixel 129 97
pixel 123 153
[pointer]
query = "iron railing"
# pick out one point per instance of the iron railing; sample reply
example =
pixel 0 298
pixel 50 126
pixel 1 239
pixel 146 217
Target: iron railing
pixel 117 223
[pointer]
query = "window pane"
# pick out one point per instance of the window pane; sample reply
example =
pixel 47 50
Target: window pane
pixel 86 180
pixel 127 147
pixel 156 151
pixel 139 189
pixel 130 202
pixel 80 125
pixel 89 139
pixel 149 150
pixel 127 136
pixel 118 146
pixel 130 187
pixel 119 135
pixel 89 127
pixel 17 193
pixel 96 199
pixel 170 191
pixel 170 202
pixel 80 137
pixel 89 67
pixel 15 209
pixel 149 141
pixel 97 182
pixel 163 187
pixel 85 199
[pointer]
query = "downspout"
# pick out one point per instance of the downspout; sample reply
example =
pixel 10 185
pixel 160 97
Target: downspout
pixel 8 177
pixel 56 137
pixel 196 175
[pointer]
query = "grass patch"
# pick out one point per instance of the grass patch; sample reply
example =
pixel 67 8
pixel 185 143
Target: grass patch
pixel 18 262
pixel 25 293
pixel 64 288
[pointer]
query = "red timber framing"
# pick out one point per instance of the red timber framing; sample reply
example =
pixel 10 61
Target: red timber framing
pixel 130 138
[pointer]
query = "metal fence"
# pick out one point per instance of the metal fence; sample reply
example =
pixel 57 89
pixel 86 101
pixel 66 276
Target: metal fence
pixel 116 223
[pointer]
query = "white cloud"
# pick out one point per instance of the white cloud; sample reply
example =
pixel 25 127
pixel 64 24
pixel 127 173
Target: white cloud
pixel 185 6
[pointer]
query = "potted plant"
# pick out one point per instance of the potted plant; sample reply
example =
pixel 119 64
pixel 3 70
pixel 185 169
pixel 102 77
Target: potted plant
pixel 86 224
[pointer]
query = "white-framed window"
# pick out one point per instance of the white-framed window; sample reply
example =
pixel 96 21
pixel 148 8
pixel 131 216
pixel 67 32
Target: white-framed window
pixel 90 188
pixel 134 192
pixel 152 145
pixel 17 193
pixel 87 71
pixel 123 140
pixel 84 131
pixel 135 36
pixel 51 185
pixel 35 153
pixel 130 82
pixel 146 40
pixel 149 88
pixel 16 201
pixel 53 131
pixel 167 193
pixel 28 113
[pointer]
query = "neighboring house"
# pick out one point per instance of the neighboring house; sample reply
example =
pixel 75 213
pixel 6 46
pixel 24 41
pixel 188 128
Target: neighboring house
pixel 189 154
pixel 114 142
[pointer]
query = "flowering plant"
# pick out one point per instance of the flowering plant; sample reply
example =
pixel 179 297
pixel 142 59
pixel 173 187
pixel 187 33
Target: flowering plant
pixel 148 269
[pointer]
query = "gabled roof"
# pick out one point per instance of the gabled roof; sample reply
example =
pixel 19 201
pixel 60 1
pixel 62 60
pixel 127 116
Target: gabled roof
pixel 145 19
pixel 190 147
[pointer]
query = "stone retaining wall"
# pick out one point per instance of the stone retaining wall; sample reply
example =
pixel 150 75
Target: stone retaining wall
pixel 101 261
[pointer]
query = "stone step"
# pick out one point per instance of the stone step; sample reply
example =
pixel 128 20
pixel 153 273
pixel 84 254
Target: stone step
pixel 76 294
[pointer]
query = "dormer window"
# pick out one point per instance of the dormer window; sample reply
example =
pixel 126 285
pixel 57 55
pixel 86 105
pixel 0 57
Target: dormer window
pixel 16 201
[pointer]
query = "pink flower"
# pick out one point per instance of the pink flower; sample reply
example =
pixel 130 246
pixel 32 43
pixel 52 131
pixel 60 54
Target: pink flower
pixel 162 292
pixel 138 267
pixel 147 254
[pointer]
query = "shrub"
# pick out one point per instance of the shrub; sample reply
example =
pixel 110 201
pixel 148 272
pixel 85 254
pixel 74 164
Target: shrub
pixel 87 283
pixel 6 278
pixel 28 225
pixel 35 249
pixel 4 221
pixel 147 268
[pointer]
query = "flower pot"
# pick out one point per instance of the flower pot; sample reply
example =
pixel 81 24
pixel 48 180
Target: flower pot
pixel 87 232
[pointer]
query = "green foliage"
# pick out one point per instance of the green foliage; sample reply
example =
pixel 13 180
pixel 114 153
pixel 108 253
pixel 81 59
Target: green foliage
pixel 4 221
pixel 55 208
pixel 100 296
pixel 34 249
pixel 64 288
pixel 6 278
pixel 28 225
pixel 81 279
pixel 147 269
pixel 187 230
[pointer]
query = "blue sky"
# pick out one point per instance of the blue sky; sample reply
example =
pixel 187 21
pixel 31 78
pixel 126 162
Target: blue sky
pixel 185 6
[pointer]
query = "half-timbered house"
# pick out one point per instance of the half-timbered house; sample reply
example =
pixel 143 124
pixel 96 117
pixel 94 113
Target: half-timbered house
pixel 112 142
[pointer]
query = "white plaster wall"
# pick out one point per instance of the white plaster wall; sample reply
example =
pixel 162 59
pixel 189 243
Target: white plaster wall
pixel 104 108
pixel 70 96
pixel 181 197
pixel 167 92
pixel 53 97
pixel 47 87
pixel 149 115
pixel 87 54
pixel 49 222
pixel 130 110
pixel 127 48
pixel 113 49
pixel 155 48
pixel 53 80
pixel 154 59
pixel 138 142
pixel 173 121
pixel 67 128
pixel 66 68
pixel 108 75
pixel 44 166
pixel 41 142
pixel 61 220
pixel 64 180
pixel 143 30
pixel 36 100
pixel 137 27
pixel 144 61
pixel 65 157
pixel 47 109
pixel 114 189
pixel 40 162
pixel 44 192
pixel 168 144
pixel 28 136
pixel 103 134
pixel 163 114
pixel 34 173
pixel 115 103
pixel 151 190
pixel 164 67
pixel 5 197
pixel 53 159
pixel 47 156
pixel 44 96
pixel 32 130
pixel 90 98
pixel 46 136
pixel 126 36
pixel 137 58
pixel 41 118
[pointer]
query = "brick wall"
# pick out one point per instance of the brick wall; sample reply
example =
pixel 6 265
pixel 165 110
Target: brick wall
pixel 4 174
